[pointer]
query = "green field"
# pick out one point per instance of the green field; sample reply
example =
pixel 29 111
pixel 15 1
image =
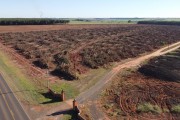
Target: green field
pixel 116 20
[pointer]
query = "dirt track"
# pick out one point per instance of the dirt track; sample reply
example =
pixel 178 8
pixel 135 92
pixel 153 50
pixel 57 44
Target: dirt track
pixel 92 93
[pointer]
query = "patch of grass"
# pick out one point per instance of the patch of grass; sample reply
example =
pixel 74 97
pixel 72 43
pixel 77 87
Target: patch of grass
pixel 147 107
pixel 100 22
pixel 126 72
pixel 118 111
pixel 70 91
pixel 165 110
pixel 176 109
pixel 103 93
pixel 67 117
pixel 108 106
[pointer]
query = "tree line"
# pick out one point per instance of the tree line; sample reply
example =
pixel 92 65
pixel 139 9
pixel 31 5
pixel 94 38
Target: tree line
pixel 31 21
pixel 160 22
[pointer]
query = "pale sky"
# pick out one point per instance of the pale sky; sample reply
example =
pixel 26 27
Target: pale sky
pixel 89 8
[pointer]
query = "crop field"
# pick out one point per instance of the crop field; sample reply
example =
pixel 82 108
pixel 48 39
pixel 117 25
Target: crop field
pixel 151 92
pixel 70 52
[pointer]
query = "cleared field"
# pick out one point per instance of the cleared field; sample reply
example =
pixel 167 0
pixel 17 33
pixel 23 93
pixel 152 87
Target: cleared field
pixel 28 28
pixel 68 53
pixel 135 95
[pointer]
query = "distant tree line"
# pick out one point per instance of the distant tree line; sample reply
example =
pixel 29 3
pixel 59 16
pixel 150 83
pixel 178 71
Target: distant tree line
pixel 160 22
pixel 31 21
pixel 82 20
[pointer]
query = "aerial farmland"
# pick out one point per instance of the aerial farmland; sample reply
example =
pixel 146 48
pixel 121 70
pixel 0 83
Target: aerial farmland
pixel 89 60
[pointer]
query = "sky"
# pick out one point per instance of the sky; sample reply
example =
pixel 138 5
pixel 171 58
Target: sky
pixel 89 8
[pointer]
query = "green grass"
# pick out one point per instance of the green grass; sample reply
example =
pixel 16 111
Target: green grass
pixel 100 22
pixel 21 84
pixel 67 117
pixel 27 88
pixel 176 109
pixel 116 20
pixel 147 107
pixel 70 91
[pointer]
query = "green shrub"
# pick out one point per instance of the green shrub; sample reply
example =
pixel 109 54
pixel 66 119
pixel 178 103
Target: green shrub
pixel 67 117
pixel 176 109
pixel 147 107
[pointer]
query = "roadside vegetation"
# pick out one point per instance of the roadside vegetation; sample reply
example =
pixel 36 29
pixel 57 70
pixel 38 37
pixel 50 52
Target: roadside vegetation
pixel 29 89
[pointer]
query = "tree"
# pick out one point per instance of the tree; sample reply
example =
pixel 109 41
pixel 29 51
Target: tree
pixel 129 21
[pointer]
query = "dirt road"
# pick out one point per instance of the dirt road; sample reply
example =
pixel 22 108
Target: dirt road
pixel 92 93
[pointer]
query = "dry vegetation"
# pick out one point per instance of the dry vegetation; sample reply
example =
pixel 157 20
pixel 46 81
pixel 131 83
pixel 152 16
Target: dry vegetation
pixel 70 52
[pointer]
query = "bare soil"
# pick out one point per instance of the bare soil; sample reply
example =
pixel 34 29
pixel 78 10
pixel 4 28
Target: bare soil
pixel 127 93
pixel 28 28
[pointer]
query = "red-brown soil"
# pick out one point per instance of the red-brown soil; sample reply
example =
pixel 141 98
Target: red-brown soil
pixel 160 87
pixel 127 93
pixel 28 28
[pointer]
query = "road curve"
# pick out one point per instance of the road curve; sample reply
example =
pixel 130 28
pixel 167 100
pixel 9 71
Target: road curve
pixel 92 93
pixel 10 108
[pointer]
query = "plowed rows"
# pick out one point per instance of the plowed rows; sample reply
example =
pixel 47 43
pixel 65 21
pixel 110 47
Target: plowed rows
pixel 67 52
pixel 137 89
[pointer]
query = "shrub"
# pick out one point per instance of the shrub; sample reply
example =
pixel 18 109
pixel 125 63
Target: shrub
pixel 147 107
pixel 176 109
